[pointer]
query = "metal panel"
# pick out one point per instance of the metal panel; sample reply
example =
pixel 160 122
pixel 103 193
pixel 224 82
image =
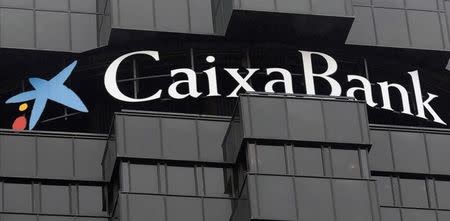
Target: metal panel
pixel 294 6
pixel 341 123
pixel 275 198
pixel 409 152
pixel 89 6
pixel 305 120
pixel 164 208
pixel 438 152
pixel 18 156
pixel 55 199
pixel 172 16
pixel 55 157
pixel 181 180
pixel 443 194
pixel 179 208
pixel 179 139
pixel 258 5
pixel 53 5
pixel 422 23
pixel 90 200
pixel 83 32
pixel 88 155
pixel 263 120
pixel 414 193
pixel 327 7
pixel 18 217
pixel 254 120
pixel 200 17
pixel 390 214
pixel 17 3
pixel 352 200
pixel 217 209
pixel 443 215
pixel 346 163
pixel 143 178
pixel 418 215
pixel 211 135
pixel 384 191
pixel 17 197
pixel 271 159
pixel 52 155
pixel 140 206
pixel 315 200
pixel 58 36
pixel 135 14
pixel 15 34
pixel 308 161
pixel 139 137
pixel 363 29
pixel 380 155
pixel 166 136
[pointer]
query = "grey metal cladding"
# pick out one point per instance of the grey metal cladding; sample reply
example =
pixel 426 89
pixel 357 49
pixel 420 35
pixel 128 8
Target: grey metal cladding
pixel 45 199
pixel 171 136
pixel 271 198
pixel 78 26
pixel 52 155
pixel 384 190
pixel 380 156
pixel 418 215
pixel 55 25
pixel 17 197
pixel 401 23
pixel 307 161
pixel 409 152
pixel 174 180
pixel 270 204
pixel 352 200
pixel 397 149
pixel 13 34
pixel 390 214
pixel 313 194
pixel 335 121
pixel 321 7
pixel 170 208
pixel 190 16
pixel 414 193
pixel 443 215
pixel 438 152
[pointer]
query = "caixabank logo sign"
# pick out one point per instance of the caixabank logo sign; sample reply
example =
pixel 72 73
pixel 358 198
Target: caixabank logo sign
pixel 45 90
pixel 55 90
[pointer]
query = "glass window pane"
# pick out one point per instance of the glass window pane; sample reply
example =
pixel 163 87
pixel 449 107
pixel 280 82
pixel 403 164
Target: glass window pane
pixel 17 197
pixel 143 178
pixel 55 199
pixel 345 163
pixel 384 191
pixel 271 159
pixel 214 181
pixel 308 161
pixel 90 200
pixel 181 180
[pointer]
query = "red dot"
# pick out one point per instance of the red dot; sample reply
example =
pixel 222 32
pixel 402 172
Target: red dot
pixel 20 123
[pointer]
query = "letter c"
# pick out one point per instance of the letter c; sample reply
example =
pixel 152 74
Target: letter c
pixel 111 78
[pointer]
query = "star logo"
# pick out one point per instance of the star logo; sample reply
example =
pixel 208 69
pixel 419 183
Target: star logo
pixel 45 90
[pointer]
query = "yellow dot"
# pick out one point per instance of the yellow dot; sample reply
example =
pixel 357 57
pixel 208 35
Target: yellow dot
pixel 23 107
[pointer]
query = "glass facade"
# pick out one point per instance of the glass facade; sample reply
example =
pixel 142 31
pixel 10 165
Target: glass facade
pixel 288 155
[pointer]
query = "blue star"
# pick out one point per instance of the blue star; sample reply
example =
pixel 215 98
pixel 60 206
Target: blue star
pixel 54 90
